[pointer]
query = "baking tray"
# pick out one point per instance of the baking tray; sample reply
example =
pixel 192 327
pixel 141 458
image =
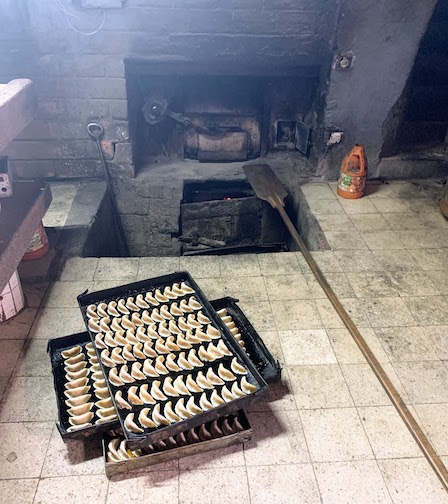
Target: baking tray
pixel 54 349
pixel 268 367
pixel 113 468
pixel 135 440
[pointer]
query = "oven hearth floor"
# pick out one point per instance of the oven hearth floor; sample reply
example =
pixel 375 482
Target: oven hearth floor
pixel 328 433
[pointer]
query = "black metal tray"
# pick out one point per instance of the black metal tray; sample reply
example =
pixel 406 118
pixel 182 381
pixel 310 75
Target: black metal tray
pixel 158 457
pixel 136 441
pixel 54 349
pixel 268 367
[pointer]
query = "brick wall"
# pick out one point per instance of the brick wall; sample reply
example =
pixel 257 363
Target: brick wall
pixel 80 78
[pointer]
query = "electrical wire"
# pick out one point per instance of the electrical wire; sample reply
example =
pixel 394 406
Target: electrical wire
pixel 68 14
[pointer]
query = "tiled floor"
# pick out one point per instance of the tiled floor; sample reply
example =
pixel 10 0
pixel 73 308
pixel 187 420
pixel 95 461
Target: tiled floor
pixel 328 433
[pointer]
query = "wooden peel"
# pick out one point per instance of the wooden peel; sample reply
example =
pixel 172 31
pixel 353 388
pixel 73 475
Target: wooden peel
pixel 268 187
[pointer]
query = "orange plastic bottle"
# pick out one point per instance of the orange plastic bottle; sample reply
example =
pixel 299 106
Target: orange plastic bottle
pixel 352 179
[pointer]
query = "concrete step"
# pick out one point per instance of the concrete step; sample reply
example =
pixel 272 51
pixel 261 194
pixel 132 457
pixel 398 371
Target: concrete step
pixel 416 165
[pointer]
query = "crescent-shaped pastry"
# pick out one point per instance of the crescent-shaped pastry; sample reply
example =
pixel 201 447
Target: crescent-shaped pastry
pixel 247 387
pixel 160 297
pixel 214 352
pixel 102 393
pixel 236 391
pixel 130 304
pixel 151 299
pixel 177 290
pixel 120 339
pixel 116 356
pixel 222 312
pixel 94 326
pixel 202 381
pixel 158 418
pixel 130 337
pixel 160 347
pixel 171 442
pixel 204 403
pixel 182 323
pixel 93 361
pixel 99 343
pixel 112 309
pixel 193 359
pixel 182 343
pixel 81 409
pixel 204 434
pixel 186 289
pixel 135 319
pixel 121 402
pixel 171 345
pixel 222 347
pixel 125 376
pixel 130 425
pixel 106 412
pixel 123 452
pixel 204 355
pixel 167 292
pixel 152 331
pixel 106 419
pixel 165 313
pixel 76 401
pixel 172 328
pixel 175 310
pixel 109 340
pixel 226 429
pixel 127 323
pixel 90 353
pixel 115 326
pixel 127 353
pixel 114 378
pixel 180 387
pixel 215 399
pixel 121 307
pixel 168 388
pixel 141 335
pixel 144 419
pixel 236 425
pixel 106 360
pixel 138 351
pixel 225 373
pixel 74 375
pixel 76 358
pixel 182 362
pixel 194 303
pixel 80 382
pixel 148 350
pixel 112 448
pixel 203 319
pixel 226 319
pixel 73 368
pixel 169 413
pixel 95 368
pixel 183 305
pixel 104 324
pixel 191 338
pixel 146 317
pixel 170 364
pixel 97 375
pixel 76 392
pixel 156 392
pixel 237 368
pixel 81 419
pixel 230 325
pixel 160 366
pixel 213 378
pixel 74 428
pixel 191 385
pixel 192 407
pixel 201 335
pixel 192 322
pixel 181 410
pixel 192 437
pixel 91 312
pixel 149 369
pixel 215 431
pixel 163 331
pixel 101 310
pixel 213 332
pixel 140 302
pixel 145 396
pixel 136 371
pixel 161 445
pixel 133 398
pixel 235 332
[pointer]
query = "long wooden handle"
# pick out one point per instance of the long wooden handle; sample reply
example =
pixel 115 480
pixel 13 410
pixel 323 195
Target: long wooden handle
pixel 407 417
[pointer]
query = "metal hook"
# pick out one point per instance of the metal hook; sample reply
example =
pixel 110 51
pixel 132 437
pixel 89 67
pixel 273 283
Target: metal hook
pixel 95 130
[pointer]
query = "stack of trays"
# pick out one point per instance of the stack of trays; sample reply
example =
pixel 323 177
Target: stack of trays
pixel 169 361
